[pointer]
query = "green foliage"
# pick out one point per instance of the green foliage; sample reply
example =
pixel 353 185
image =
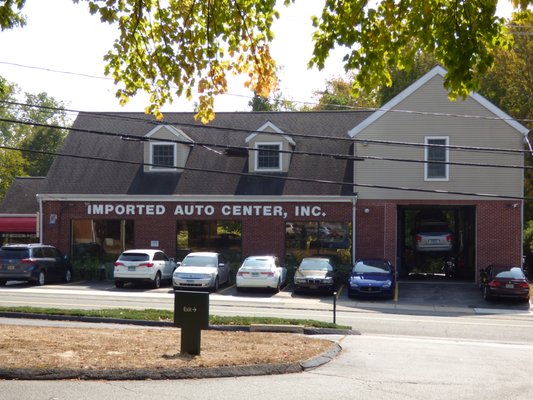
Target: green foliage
pixel 461 34
pixel 29 126
pixel 87 269
pixel 341 95
pixel 178 46
pixel 10 15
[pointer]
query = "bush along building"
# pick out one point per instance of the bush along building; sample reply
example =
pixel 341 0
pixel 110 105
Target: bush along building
pixel 348 184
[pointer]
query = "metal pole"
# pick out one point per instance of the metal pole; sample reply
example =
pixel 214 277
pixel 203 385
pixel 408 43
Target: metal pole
pixel 334 307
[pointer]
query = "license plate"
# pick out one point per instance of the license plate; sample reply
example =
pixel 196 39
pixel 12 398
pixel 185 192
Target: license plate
pixel 509 286
pixel 433 241
pixel 190 280
pixel 10 267
pixel 255 273
pixel 313 286
pixel 131 268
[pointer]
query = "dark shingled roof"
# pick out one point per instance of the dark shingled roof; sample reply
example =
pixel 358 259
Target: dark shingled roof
pixel 207 172
pixel 20 198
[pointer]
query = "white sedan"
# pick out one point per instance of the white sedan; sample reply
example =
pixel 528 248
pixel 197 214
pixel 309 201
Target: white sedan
pixel 145 265
pixel 202 270
pixel 261 272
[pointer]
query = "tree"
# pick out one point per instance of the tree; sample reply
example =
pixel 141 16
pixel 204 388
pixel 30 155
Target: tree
pixel 341 95
pixel 194 44
pixel 278 103
pixel 29 126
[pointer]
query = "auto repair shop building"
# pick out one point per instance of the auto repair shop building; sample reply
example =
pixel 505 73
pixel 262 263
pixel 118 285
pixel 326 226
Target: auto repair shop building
pixel 347 183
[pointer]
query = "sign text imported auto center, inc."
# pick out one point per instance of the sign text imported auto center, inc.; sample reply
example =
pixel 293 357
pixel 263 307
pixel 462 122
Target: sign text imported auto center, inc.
pixel 202 210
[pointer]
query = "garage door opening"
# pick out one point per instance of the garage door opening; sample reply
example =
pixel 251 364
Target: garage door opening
pixel 430 236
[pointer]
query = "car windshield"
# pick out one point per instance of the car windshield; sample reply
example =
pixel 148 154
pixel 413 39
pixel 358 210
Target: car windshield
pixel 508 273
pixel 371 266
pixel 17 254
pixel 134 257
pixel 199 261
pixel 315 265
pixel 260 263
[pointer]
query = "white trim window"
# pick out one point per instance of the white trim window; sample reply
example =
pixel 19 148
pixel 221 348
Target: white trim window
pixel 163 156
pixel 268 156
pixel 436 157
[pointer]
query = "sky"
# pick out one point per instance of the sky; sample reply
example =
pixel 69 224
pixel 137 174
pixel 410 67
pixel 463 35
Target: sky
pixel 63 36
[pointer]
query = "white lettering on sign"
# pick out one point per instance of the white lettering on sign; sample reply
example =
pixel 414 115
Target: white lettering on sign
pixel 200 210
pixel 126 209
pixel 189 309
pixel 309 211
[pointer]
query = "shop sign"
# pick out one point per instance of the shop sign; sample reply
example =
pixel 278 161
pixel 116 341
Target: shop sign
pixel 203 210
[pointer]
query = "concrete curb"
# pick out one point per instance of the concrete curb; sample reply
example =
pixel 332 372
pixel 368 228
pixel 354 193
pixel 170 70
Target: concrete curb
pixel 178 373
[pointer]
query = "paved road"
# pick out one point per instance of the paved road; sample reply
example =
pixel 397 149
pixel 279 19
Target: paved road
pixel 450 347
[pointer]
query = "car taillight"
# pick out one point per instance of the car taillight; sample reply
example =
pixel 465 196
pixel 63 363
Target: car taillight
pixel 118 264
pixel 523 285
pixel 270 273
pixel 148 264
pixel 27 260
pixel 418 238
pixel 449 238
pixel 495 283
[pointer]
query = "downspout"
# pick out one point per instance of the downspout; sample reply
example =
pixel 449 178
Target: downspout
pixel 354 228
pixel 40 218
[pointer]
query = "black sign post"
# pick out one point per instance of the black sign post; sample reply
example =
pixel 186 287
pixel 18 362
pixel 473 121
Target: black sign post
pixel 191 314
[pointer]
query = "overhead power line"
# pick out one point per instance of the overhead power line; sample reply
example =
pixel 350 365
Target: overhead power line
pixel 277 177
pixel 243 150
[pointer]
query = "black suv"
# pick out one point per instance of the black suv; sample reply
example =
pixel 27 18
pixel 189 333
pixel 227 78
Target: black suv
pixel 36 263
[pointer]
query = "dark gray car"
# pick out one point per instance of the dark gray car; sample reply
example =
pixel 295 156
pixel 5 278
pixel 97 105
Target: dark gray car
pixel 36 263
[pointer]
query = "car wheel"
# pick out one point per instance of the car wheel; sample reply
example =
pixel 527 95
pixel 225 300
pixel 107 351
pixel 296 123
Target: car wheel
pixel 278 286
pixel 41 280
pixel 68 275
pixel 119 284
pixel 486 294
pixel 157 281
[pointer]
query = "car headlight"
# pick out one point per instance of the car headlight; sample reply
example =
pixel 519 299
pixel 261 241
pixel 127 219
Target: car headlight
pixel 328 279
pixel 353 281
pixel 387 284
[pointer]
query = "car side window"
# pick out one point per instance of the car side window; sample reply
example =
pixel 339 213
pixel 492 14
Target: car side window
pixel 276 262
pixel 158 256
pixel 38 253
pixel 221 260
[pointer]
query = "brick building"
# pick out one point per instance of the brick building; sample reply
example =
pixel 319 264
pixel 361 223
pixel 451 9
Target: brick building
pixel 348 183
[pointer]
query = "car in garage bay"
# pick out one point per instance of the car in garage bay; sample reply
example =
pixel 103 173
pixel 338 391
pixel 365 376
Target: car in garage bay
pixel 143 265
pixel 372 277
pixel 315 274
pixel 504 281
pixel 202 270
pixel 261 272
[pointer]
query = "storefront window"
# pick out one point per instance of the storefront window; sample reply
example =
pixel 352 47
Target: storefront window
pixel 101 239
pixel 305 239
pixel 220 236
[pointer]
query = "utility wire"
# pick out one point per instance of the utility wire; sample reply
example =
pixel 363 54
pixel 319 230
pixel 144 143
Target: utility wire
pixel 244 150
pixel 285 178
pixel 293 134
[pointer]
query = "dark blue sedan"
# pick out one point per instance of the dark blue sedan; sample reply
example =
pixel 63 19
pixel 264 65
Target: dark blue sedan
pixel 372 277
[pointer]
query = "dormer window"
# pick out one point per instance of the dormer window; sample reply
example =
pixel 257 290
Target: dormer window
pixel 166 149
pixel 163 156
pixel 270 149
pixel 269 156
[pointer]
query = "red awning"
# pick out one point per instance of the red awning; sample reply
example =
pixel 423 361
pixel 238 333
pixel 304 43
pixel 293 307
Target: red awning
pixel 18 224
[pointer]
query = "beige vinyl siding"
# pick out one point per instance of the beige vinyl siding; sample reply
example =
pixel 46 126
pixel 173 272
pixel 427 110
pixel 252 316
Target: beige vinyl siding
pixel 415 127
